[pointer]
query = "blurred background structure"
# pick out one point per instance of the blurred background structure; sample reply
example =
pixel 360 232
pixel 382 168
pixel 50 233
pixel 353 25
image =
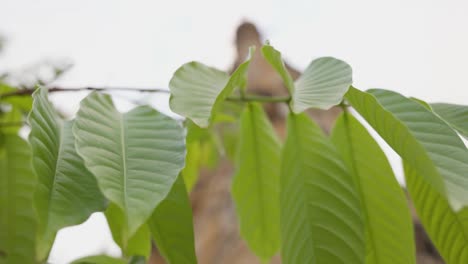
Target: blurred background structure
pixel 418 48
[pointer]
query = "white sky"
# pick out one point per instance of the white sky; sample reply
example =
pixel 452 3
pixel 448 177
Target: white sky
pixel 416 47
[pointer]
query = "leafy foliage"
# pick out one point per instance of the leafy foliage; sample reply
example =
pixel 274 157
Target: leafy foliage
pixel 135 156
pixel 321 217
pixel 255 187
pixel 389 233
pixel 17 217
pixel 67 192
pixel 316 199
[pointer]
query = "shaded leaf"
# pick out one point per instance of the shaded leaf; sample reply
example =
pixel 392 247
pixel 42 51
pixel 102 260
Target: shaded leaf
pixel 135 156
pixel 274 58
pixel 255 186
pixel 388 223
pixel 423 140
pixel 321 219
pixel 455 115
pixel 17 216
pixel 137 245
pixel 447 229
pixel 67 193
pixel 172 227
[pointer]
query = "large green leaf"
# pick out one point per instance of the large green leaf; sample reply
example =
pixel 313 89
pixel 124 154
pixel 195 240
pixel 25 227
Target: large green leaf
pixel 455 115
pixel 321 220
pixel 17 216
pixel 322 85
pixel 67 193
pixel 101 259
pixel 274 58
pixel 389 230
pixel 422 139
pixel 135 156
pixel 137 245
pixel 255 186
pixel 172 227
pixel 198 90
pixel 447 229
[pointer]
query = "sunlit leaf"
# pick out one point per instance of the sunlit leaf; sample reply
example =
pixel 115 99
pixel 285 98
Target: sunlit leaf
pixel 322 85
pixel 198 90
pixel 135 156
pixel 172 227
pixel 17 216
pixel 447 229
pixel 455 115
pixel 388 224
pixel 321 220
pixel 422 139
pixel 22 102
pixel 274 58
pixel 67 193
pixel 139 244
pixel 255 186
pixel 11 121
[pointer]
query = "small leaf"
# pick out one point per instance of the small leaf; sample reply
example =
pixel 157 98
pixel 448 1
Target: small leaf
pixel 422 139
pixel 67 193
pixel 447 229
pixel 101 259
pixel 135 156
pixel 172 227
pixel 255 186
pixel 455 115
pixel 197 90
pixel 17 215
pixel 321 219
pixel 322 85
pixel 388 224
pixel 274 58
pixel 137 245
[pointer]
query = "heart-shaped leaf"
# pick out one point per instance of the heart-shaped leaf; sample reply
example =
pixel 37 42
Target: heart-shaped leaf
pixel 135 156
pixel 67 193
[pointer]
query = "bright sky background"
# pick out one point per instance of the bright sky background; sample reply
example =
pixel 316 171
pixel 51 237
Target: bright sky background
pixel 416 47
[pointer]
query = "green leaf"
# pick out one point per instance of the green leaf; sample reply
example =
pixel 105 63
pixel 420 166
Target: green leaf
pixel 274 58
pixel 255 186
pixel 10 122
pixel 322 85
pixel 172 227
pixel 321 219
pixel 23 102
pixel 447 229
pixel 197 90
pixel 192 167
pixel 101 259
pixel 423 140
pixel 455 115
pixel 389 230
pixel 17 216
pixel 135 156
pixel 67 193
pixel 137 245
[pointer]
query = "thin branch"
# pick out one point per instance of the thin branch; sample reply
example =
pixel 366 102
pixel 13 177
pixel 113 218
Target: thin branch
pixel 29 91
pixel 263 99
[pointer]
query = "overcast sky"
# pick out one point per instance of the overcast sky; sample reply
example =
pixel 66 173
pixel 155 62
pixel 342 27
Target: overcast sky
pixel 416 47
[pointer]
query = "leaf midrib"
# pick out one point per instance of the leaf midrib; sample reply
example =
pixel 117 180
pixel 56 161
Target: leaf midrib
pixel 358 183
pixel 124 168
